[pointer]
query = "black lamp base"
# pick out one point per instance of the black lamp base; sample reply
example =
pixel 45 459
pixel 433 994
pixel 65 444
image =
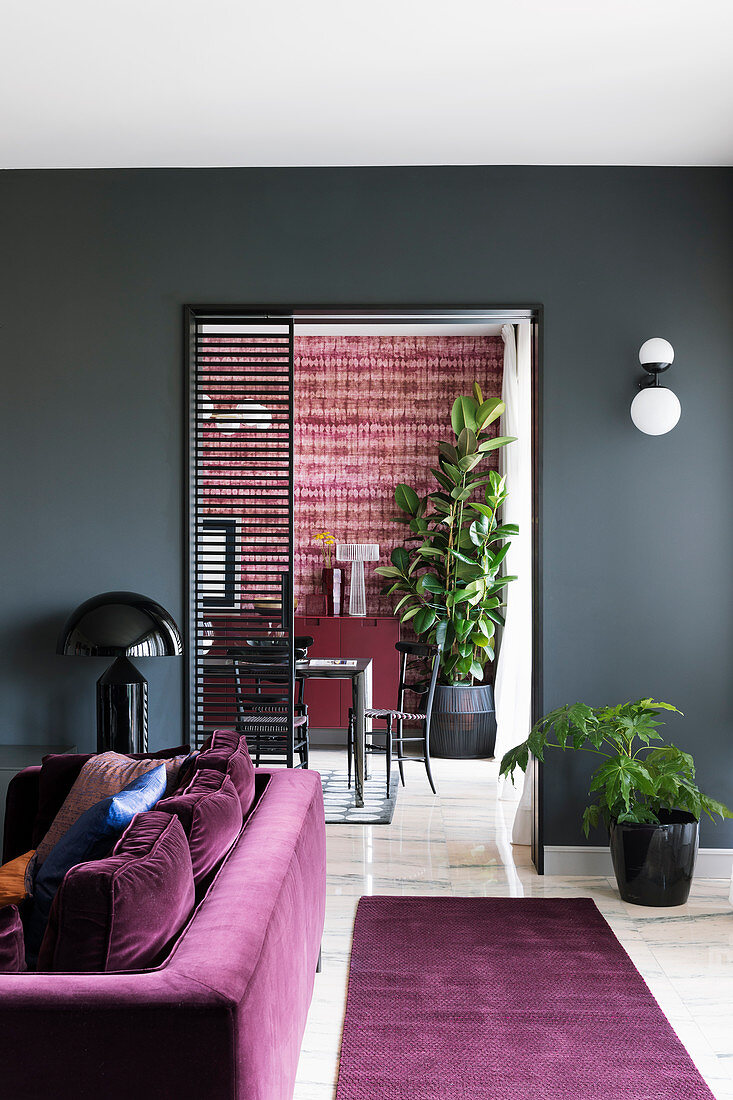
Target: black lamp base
pixel 122 709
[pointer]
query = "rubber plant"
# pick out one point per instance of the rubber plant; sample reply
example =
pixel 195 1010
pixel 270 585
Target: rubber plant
pixel 448 572
pixel 637 778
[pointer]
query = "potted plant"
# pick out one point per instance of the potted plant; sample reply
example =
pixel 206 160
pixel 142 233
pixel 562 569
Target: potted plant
pixel 644 791
pixel 448 575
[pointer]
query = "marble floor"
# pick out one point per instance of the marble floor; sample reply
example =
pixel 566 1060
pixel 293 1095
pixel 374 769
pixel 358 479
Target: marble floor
pixel 458 843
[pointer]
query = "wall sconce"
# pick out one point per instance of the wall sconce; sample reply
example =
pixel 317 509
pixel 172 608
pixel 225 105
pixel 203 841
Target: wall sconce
pixel 229 421
pixel 655 410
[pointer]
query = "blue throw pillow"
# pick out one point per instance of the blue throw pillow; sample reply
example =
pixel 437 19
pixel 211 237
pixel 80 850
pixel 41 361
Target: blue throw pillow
pixel 92 836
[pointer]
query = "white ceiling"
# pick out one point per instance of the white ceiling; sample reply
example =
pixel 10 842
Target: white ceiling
pixel 103 83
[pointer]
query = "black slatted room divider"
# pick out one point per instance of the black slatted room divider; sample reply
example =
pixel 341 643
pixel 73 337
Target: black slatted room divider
pixel 240 444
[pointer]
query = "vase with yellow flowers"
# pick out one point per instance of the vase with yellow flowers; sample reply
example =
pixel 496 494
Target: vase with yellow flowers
pixel 329 580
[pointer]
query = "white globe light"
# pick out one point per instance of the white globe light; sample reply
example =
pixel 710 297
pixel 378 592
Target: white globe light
pixel 656 350
pixel 227 422
pixel 249 415
pixel 255 416
pixel 655 410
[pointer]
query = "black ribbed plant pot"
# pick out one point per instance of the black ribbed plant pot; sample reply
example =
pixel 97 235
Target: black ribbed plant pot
pixel 654 864
pixel 463 724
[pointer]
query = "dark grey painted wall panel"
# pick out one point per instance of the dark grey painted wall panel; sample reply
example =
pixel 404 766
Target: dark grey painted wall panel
pixel 636 531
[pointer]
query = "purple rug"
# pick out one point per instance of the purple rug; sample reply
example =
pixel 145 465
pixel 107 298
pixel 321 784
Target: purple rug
pixel 502 999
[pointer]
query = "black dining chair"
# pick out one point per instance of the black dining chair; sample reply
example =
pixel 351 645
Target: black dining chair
pixel 302 642
pixel 398 716
pixel 261 683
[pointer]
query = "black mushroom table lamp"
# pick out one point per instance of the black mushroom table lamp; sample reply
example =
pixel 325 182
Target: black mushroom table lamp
pixel 121 625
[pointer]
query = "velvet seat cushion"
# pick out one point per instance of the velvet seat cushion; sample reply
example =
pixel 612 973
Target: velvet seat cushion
pixel 211 815
pixel 122 912
pixel 59 772
pixel 227 752
pixel 12 944
pixel 92 836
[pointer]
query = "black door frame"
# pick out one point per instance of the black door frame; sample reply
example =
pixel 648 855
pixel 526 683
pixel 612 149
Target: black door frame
pixel 534 312
pixel 193 317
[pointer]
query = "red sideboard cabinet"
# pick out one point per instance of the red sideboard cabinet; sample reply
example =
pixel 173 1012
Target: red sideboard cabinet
pixel 346 636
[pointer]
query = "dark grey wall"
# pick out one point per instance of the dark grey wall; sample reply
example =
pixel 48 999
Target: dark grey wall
pixel 636 532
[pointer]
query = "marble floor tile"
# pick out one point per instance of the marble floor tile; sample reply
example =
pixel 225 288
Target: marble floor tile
pixel 458 843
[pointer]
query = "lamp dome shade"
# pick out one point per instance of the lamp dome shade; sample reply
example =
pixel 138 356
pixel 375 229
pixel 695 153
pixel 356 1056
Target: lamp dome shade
pixel 656 350
pixel 655 410
pixel 120 624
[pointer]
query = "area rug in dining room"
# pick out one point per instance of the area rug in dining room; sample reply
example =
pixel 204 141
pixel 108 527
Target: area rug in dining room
pixel 340 803
pixel 502 999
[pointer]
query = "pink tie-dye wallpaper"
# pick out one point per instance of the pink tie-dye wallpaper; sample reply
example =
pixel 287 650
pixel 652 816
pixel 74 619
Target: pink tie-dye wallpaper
pixel 369 413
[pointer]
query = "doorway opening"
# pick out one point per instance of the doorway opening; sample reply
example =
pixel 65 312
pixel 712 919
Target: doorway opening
pixel 348 405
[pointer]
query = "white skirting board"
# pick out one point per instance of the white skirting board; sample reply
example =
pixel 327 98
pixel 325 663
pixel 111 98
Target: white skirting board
pixel 576 860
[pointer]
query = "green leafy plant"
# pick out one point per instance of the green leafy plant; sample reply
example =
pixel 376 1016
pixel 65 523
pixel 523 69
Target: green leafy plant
pixel 448 573
pixel 637 779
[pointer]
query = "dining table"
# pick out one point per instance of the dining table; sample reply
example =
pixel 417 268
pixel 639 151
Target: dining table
pixel 356 669
pixel 359 671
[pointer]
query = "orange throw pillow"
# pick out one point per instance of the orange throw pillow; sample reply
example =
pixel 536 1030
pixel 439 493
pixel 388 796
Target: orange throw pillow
pixel 12 880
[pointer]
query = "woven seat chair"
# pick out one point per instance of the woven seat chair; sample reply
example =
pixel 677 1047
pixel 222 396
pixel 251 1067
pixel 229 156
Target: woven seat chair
pixel 262 697
pixel 397 716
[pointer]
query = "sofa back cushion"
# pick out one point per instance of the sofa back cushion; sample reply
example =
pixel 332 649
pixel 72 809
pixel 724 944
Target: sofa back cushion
pixel 92 836
pixel 122 912
pixel 59 772
pixel 99 777
pixel 185 774
pixel 12 947
pixel 227 752
pixel 211 815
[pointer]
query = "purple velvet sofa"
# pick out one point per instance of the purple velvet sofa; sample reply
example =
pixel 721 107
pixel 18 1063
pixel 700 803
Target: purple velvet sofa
pixel 223 1017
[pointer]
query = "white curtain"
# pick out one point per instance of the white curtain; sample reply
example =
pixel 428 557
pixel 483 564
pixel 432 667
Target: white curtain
pixel 514 666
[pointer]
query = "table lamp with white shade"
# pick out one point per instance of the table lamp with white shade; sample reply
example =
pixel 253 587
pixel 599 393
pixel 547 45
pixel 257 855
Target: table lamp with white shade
pixel 357 553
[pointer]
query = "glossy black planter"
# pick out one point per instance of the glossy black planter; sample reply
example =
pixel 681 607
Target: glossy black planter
pixel 463 723
pixel 654 864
